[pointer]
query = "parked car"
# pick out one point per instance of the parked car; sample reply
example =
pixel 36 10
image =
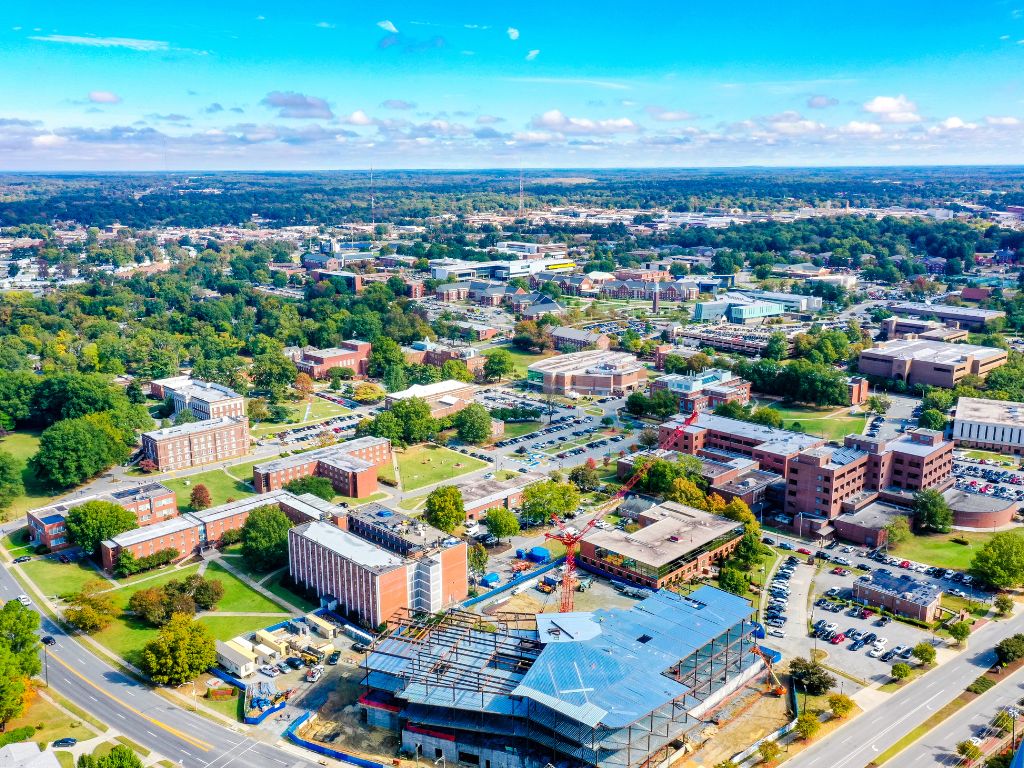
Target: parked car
pixel 334 658
pixel 270 671
pixel 67 741
pixel 23 559
pixel 24 600
pixel 294 662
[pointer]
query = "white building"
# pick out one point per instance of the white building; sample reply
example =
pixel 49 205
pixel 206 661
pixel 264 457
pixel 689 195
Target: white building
pixel 992 425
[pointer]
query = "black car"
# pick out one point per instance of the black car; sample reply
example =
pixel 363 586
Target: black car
pixel 65 742
pixel 360 647
pixel 870 637
pixel 858 644
pixel 882 622
pixel 294 662
pixel 47 640
pixel 23 559
pixel 888 655
pixel 907 653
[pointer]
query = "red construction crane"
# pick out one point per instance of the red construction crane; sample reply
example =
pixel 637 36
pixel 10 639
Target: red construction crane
pixel 570 540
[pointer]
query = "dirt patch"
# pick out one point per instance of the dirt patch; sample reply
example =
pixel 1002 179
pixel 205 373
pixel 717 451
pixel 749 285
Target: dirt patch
pixel 339 723
pixel 747 717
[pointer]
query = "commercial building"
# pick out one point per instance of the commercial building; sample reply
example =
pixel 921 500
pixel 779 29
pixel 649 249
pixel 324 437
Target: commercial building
pixel 382 564
pixel 197 442
pixel 991 425
pixel 150 502
pixel 932 363
pixel 482 495
pixel 771 448
pixel 704 391
pixel 435 353
pixel 902 595
pixel 964 317
pixel 577 339
pixel 456 269
pixel 194 531
pixel 742 339
pixel 675 543
pixel 915 328
pixel 615 688
pixel 737 308
pixel 350 466
pixel 792 302
pixel 444 397
pixel 826 481
pixel 352 354
pixel 596 372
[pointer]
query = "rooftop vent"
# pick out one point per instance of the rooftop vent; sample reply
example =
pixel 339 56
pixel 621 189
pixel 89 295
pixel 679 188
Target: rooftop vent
pixel 644 638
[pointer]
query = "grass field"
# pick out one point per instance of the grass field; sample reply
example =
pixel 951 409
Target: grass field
pixel 221 486
pixel 319 410
pixel 273 584
pixel 243 471
pixel 23 446
pixel 56 578
pixel 55 723
pixel 939 549
pixel 17 543
pixel 386 471
pixel 1009 461
pixel 523 359
pixel 518 429
pixel 821 421
pixel 423 465
pixel 238 597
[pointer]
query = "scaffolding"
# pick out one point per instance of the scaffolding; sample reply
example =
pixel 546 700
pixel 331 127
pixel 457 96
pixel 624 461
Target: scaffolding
pixel 622 688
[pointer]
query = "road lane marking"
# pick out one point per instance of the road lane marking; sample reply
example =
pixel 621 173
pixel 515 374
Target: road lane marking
pixel 884 731
pixel 204 746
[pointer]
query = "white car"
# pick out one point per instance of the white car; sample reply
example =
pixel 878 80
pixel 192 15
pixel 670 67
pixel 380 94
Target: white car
pixel 776 633
pixel 270 671
pixel 875 652
pixel 881 643
pixel 24 600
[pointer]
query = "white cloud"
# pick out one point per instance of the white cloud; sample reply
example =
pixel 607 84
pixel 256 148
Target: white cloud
pixel 489 120
pixel 793 124
pixel 1002 120
pixel 387 26
pixel 861 127
pixel 358 118
pixel 894 109
pixel 513 33
pixel 104 97
pixel 325 25
pixel 48 140
pixel 398 104
pixel 533 54
pixel 297 105
pixel 667 115
pixel 821 102
pixel 954 123
pixel 132 43
pixel 555 120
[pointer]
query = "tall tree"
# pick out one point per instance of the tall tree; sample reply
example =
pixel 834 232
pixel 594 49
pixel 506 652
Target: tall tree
pixel 265 538
pixel 444 508
pixel 1000 561
pixel 73 450
pixel 499 365
pixel 542 500
pixel 502 523
pixel 932 512
pixel 182 651
pixel 200 497
pixel 19 627
pixel 13 686
pixel 11 486
pixel 94 521
pixel 473 424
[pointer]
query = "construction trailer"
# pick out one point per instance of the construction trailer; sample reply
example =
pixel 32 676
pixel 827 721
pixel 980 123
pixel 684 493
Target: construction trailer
pixel 615 688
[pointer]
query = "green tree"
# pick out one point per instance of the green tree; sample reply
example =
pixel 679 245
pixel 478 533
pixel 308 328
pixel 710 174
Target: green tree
pixel 394 379
pixel 413 414
pixel 840 704
pixel 74 450
pixel 18 635
pixel 499 364
pixel 13 688
pixel 473 424
pixel 200 497
pixel 367 392
pixel 732 580
pixel 898 530
pixel 184 416
pixel 318 486
pixel 878 404
pixel 265 538
pixel 182 651
pixel 648 438
pixel 385 424
pixel 811 677
pixel 924 652
pixel 932 512
pixel 1003 604
pixel 585 477
pixel 478 557
pixel 502 523
pixel 900 671
pixel 118 757
pixel 637 403
pixel 969 751
pixel 932 419
pixel 92 608
pixel 385 354
pixel 776 348
pixel 1000 562
pixel 11 486
pixel 456 370
pixel 769 751
pixel 272 372
pixel 444 508
pixel 960 631
pixel 1003 721
pixel 257 409
pixel 807 725
pixel 134 392
pixel 727 764
pixel 149 605
pixel 543 500
pixel 94 521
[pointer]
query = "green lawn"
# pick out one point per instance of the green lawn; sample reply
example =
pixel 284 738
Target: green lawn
pixel 319 410
pixel 23 446
pixel 412 503
pixel 386 471
pixel 821 421
pixel 238 597
pixel 220 485
pixel 55 723
pixel 56 578
pixel 243 471
pixel 352 501
pixel 977 609
pixel 17 543
pixel 518 429
pixel 1009 461
pixel 939 549
pixel 423 465
pixel 273 584
pixel 522 359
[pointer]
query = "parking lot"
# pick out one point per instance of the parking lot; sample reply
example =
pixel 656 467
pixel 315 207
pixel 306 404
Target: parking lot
pixel 988 478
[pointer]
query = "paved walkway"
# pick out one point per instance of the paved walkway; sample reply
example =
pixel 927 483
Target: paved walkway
pixel 225 563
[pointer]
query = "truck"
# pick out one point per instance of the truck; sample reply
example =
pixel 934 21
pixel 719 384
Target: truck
pixel 546 588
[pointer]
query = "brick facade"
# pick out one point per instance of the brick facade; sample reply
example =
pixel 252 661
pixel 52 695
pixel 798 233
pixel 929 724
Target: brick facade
pixel 196 443
pixel 350 466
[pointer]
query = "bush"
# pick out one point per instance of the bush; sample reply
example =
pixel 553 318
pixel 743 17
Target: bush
pixel 960 540
pixel 24 733
pixel 980 685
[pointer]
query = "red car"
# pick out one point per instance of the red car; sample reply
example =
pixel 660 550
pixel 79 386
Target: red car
pixel 866 613
pixel 837 571
pixel 905 564
pixel 804 551
pixel 838 639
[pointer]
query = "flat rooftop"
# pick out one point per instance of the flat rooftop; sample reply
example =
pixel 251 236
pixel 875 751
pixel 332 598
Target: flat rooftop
pixel 347 545
pixel 1004 413
pixel 968 313
pixel 332 453
pixel 927 350
pixel 959 501
pixel 486 491
pixel 765 438
pixel 411 530
pixel 678 530
pixel 436 390
pixel 193 428
pixel 207 391
pixel 125 495
pixel 595 362
pixel 902 586
pixel 877 514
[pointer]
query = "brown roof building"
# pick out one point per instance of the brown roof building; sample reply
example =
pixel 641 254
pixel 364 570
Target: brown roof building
pixel 932 363
pixel 197 442
pixel 353 354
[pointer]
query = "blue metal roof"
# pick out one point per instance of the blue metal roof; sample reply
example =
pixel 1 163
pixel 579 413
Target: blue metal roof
pixel 617 676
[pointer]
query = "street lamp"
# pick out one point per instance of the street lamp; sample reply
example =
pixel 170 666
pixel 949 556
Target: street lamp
pixel 195 702
pixel 46 667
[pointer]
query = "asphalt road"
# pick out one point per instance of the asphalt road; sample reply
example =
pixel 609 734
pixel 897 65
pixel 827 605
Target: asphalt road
pixel 131 707
pixel 860 741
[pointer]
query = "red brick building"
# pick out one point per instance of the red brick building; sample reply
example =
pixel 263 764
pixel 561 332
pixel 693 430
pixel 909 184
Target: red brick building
pixel 704 391
pixel 198 442
pixel 902 595
pixel 350 466
pixel 483 495
pixel 433 353
pixel 577 340
pixel 352 354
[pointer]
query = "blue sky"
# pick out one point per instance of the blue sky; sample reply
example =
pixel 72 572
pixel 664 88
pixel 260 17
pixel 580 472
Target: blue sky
pixel 320 85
